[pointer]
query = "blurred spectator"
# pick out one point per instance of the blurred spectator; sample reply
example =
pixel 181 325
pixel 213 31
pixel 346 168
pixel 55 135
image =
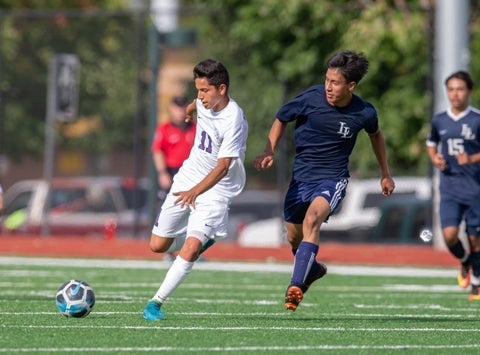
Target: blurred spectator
pixel 1 198
pixel 172 143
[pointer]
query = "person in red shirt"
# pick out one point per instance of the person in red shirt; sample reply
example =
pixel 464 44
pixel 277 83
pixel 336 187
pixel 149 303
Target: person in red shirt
pixel 172 143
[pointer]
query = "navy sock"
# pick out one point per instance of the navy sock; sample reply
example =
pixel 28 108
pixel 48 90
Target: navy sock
pixel 475 263
pixel 304 259
pixel 457 250
pixel 314 268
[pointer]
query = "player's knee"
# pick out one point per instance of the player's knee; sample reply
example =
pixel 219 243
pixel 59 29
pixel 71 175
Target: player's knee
pixel 159 245
pixel 312 221
pixel 475 244
pixel 450 235
pixel 191 249
pixel 156 248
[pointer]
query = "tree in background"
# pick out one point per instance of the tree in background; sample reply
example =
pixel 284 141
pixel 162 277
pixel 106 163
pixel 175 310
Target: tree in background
pixel 273 48
pixel 106 45
pixel 277 45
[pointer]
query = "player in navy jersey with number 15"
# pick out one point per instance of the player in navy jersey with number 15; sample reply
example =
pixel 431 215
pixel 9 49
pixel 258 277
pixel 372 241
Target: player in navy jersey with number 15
pixel 454 148
pixel 327 119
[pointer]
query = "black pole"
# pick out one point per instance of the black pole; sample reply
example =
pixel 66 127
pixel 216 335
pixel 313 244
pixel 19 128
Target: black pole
pixel 138 146
pixel 154 59
pixel 2 124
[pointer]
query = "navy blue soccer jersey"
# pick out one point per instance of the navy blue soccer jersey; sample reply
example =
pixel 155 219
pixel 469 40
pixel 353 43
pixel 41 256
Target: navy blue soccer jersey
pixel 458 134
pixel 324 134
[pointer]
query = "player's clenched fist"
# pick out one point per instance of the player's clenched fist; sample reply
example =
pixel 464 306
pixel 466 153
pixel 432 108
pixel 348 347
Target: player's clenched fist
pixel 263 161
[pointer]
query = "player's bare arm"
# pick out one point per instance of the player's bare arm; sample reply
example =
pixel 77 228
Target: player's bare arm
pixel 266 159
pixel 187 198
pixel 466 159
pixel 436 158
pixel 189 110
pixel 378 144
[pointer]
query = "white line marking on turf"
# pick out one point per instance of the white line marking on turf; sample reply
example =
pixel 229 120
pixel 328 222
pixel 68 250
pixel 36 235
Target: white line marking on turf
pixel 200 314
pixel 350 270
pixel 248 348
pixel 277 314
pixel 245 328
pixel 436 307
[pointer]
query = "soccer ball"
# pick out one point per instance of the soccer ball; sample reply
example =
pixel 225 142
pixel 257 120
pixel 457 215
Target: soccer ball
pixel 426 235
pixel 75 298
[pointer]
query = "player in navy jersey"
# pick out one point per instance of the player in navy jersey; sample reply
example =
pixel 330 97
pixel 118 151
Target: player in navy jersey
pixel 454 148
pixel 327 119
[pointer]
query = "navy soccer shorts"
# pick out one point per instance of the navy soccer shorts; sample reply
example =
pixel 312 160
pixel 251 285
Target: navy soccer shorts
pixel 301 194
pixel 452 212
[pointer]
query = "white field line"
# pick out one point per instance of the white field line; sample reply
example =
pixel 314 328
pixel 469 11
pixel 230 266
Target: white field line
pixel 13 287
pixel 227 314
pixel 247 267
pixel 246 328
pixel 351 270
pixel 243 349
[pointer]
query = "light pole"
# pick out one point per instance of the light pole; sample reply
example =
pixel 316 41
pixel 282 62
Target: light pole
pixel 163 33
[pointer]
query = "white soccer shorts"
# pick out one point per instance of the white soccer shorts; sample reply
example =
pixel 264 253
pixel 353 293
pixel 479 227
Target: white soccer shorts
pixel 206 221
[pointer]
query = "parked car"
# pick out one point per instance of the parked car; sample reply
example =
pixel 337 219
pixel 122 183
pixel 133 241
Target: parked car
pixel 92 206
pixel 86 206
pixel 250 206
pixel 353 220
pixel 402 220
pixel 361 208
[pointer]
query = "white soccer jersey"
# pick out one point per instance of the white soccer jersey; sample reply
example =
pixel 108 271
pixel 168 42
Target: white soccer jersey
pixel 218 135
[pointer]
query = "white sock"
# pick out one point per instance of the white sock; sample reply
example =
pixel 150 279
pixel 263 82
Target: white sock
pixel 174 277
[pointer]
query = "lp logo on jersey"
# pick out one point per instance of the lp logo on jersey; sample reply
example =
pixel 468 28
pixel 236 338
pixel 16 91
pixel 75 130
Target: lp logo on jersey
pixel 344 130
pixel 467 132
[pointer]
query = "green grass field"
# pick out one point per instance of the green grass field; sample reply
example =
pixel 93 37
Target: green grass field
pixel 237 311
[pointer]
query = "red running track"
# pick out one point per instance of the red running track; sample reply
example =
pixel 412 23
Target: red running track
pixel 337 253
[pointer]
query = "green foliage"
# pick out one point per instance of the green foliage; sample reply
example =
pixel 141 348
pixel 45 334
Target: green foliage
pixel 474 49
pixel 272 48
pixel 107 50
pixel 396 83
pixel 289 43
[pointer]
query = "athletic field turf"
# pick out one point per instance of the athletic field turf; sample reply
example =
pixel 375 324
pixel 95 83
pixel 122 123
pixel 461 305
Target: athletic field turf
pixel 236 308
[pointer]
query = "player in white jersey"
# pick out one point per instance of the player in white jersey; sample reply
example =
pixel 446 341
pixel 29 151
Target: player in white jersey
pixel 195 210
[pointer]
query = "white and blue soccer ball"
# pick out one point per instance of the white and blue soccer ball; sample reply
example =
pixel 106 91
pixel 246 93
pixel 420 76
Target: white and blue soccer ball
pixel 426 235
pixel 75 298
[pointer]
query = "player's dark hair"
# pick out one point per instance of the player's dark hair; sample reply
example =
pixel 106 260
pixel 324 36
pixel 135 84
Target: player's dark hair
pixel 214 71
pixel 461 75
pixel 352 65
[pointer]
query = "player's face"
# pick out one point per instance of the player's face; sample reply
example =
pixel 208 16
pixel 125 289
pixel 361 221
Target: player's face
pixel 458 94
pixel 338 91
pixel 212 97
